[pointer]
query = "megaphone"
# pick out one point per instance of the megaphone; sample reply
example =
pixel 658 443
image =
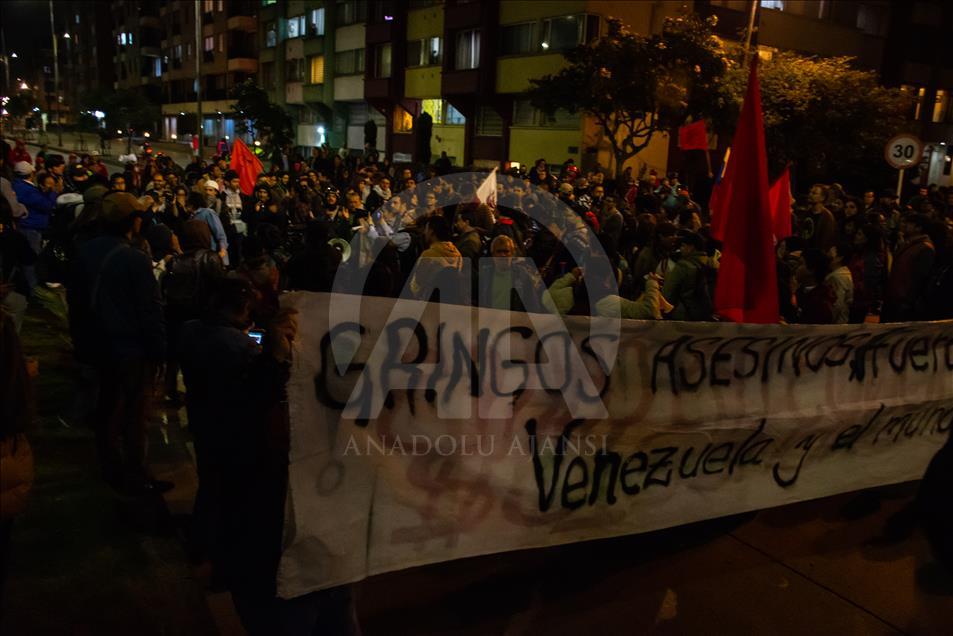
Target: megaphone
pixel 342 246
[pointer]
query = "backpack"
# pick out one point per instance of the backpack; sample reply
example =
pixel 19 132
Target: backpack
pixel 184 284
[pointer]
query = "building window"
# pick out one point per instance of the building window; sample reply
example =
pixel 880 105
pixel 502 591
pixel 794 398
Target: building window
pixel 918 94
pixel 316 23
pixel 871 19
pixel 351 12
pixel 271 34
pixel 525 114
pixel 265 3
pixel 454 117
pixel 349 62
pixel 468 50
pixel 317 69
pixel 295 70
pixel 221 42
pixel 940 106
pixel 562 33
pixel 518 39
pixel 773 4
pixel 489 123
pixel 382 61
pixel 268 75
pixel 403 121
pixel 209 6
pixel 157 72
pixel 434 108
pixel 209 43
pixel 425 52
pixel 296 27
pixel 221 5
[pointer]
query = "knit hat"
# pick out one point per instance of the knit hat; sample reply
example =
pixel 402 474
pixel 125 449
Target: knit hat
pixel 210 183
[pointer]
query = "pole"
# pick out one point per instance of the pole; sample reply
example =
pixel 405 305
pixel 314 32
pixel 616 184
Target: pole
pixel 900 183
pixel 6 63
pixel 56 77
pixel 751 15
pixel 198 75
pixel 6 72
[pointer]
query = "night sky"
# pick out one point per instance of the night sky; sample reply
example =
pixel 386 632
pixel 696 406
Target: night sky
pixel 26 28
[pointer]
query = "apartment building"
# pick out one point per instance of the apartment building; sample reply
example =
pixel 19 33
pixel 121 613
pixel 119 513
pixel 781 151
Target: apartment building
pixel 223 55
pixel 137 53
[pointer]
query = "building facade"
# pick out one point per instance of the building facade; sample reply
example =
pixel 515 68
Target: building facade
pixel 219 55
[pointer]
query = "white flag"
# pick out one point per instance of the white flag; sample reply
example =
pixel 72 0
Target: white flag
pixel 486 193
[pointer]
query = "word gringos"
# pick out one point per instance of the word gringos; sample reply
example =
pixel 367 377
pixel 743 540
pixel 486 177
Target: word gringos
pixel 529 479
pixel 452 367
pixel 473 349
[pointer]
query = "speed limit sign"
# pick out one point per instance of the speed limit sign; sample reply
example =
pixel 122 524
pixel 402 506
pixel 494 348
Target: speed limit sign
pixel 903 151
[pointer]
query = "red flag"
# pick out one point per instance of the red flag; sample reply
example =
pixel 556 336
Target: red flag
pixel 779 196
pixel 247 165
pixel 693 136
pixel 747 288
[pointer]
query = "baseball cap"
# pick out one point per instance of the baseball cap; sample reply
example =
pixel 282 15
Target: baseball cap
pixel 23 168
pixel 211 183
pixel 119 205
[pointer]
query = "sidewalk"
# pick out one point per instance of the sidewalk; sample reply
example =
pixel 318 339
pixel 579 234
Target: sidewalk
pixel 181 153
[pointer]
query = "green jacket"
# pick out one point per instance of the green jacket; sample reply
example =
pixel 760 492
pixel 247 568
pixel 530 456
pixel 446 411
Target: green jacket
pixel 686 287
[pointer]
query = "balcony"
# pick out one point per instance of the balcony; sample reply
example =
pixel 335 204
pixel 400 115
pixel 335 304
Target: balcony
pixel 242 64
pixel 242 23
pixel 294 93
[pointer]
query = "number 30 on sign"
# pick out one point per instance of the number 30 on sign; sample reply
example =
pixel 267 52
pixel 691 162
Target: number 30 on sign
pixel 903 151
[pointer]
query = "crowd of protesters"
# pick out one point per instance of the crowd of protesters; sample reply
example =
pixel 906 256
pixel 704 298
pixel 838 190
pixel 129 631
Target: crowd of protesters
pixel 168 268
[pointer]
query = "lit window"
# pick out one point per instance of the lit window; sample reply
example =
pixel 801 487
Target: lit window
pixel 158 67
pixel 773 4
pixel 317 69
pixel 209 43
pixel 209 6
pixel 296 27
pixel 403 122
pixel 271 34
pixel 454 117
pixel 221 5
pixel 317 22
pixel 468 50
pixel 433 107
pixel 940 106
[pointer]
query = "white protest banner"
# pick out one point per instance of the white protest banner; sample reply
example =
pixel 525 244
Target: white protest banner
pixel 428 442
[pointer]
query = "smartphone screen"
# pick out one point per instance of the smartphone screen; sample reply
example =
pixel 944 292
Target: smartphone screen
pixel 256 336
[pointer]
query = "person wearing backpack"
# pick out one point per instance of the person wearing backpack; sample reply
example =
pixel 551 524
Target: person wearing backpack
pixel 188 280
pixel 686 286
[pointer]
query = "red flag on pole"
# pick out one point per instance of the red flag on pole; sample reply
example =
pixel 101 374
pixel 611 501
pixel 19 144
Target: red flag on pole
pixel 779 196
pixel 747 288
pixel 247 165
pixel 693 136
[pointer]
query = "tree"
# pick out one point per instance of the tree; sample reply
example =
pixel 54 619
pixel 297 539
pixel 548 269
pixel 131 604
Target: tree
pixel 271 122
pixel 124 109
pixel 823 115
pixel 635 85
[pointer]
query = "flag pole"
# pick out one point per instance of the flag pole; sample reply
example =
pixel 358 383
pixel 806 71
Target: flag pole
pixel 751 16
